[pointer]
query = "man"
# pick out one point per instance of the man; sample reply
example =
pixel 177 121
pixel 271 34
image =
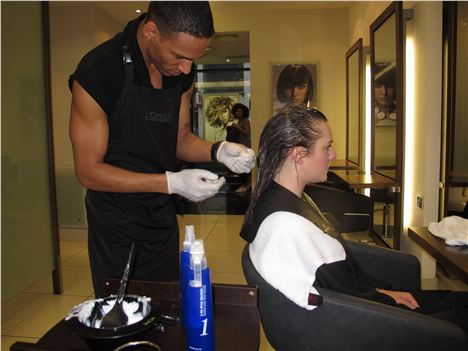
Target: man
pixel 130 121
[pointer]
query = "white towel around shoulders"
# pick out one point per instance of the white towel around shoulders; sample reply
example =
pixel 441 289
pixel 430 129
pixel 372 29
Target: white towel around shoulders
pixel 453 229
pixel 287 251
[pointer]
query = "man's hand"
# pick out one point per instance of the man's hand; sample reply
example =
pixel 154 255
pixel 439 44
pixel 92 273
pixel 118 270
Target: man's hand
pixel 194 184
pixel 238 158
pixel 401 297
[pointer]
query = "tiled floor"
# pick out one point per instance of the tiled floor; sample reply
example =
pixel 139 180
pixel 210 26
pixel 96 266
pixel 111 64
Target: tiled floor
pixel 31 313
pixel 28 315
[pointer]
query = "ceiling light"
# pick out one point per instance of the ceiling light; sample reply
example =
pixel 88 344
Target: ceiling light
pixel 138 11
pixel 228 60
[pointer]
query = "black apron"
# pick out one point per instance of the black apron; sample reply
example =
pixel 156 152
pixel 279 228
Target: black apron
pixel 142 138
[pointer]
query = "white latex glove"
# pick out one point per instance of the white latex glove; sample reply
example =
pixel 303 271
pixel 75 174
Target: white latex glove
pixel 237 157
pixel 194 184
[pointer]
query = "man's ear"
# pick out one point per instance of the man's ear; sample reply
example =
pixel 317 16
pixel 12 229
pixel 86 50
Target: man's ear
pixel 297 153
pixel 151 30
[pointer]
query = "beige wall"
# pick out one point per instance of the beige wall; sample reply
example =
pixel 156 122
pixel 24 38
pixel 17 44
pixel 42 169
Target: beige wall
pixel 426 30
pixel 75 28
pixel 361 15
pixel 298 34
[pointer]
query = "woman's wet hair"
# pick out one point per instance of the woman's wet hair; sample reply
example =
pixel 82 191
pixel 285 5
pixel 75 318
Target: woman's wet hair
pixel 289 128
pixel 293 76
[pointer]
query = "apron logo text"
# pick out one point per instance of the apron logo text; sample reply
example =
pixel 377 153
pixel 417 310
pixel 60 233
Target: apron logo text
pixel 157 116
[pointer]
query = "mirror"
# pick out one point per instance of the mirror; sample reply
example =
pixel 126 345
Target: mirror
pixel 222 80
pixel 354 72
pixel 386 93
pixel 454 195
pixel 386 40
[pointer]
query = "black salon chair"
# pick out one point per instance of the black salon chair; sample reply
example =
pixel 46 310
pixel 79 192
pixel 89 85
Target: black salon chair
pixel 348 211
pixel 387 199
pixel 349 323
pixel 333 181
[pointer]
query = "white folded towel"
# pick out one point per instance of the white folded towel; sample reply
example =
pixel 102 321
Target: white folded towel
pixel 453 229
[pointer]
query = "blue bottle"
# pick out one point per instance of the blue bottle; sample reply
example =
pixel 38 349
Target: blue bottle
pixel 199 321
pixel 184 271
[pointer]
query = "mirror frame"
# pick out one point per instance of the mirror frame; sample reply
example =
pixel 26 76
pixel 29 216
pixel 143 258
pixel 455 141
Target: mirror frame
pixel 357 47
pixel 395 8
pixel 449 111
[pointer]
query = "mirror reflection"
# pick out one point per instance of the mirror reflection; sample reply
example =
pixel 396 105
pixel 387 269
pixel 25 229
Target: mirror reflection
pixel 385 116
pixel 353 89
pixel 386 61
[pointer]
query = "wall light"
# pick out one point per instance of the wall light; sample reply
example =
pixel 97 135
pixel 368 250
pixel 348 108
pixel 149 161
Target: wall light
pixel 408 205
pixel 367 119
pixel 138 11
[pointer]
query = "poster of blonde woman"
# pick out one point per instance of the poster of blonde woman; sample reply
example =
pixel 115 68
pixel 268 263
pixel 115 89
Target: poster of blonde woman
pixel 218 116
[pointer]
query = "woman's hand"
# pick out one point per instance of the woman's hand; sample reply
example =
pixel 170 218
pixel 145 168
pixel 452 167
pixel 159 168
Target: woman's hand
pixel 401 297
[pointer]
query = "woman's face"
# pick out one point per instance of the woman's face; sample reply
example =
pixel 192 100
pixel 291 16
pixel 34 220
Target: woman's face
pixel 238 114
pixel 383 94
pixel 297 94
pixel 317 162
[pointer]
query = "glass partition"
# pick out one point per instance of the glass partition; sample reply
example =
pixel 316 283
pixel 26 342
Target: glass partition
pixel 29 227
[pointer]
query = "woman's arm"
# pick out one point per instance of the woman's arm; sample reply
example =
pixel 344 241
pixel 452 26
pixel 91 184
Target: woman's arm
pixel 243 127
pixel 401 297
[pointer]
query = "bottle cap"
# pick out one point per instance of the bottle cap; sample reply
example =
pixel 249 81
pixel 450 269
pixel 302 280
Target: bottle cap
pixel 197 262
pixel 189 237
pixel 197 248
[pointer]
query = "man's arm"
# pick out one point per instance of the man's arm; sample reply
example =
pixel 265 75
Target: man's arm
pixel 236 157
pixel 189 146
pixel 89 133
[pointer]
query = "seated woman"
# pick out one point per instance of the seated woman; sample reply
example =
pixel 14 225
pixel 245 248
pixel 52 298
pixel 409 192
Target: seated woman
pixel 293 247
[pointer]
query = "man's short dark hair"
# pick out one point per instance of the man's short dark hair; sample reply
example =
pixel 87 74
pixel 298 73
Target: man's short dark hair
pixel 190 17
